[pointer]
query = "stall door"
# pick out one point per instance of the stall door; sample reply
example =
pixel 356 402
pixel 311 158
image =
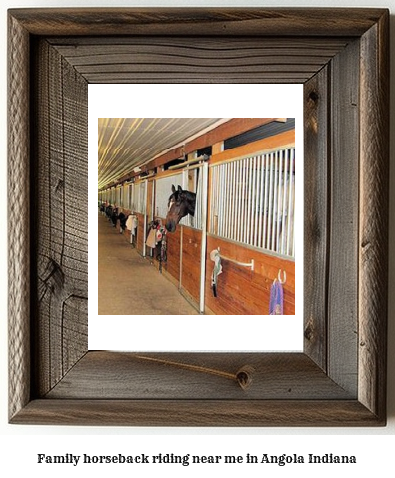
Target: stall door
pixel 186 245
pixel 162 192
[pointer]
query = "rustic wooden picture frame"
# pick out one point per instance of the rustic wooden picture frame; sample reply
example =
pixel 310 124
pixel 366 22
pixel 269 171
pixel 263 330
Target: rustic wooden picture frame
pixel 341 56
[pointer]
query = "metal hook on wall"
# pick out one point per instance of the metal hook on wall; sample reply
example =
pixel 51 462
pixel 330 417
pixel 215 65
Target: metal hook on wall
pixel 284 277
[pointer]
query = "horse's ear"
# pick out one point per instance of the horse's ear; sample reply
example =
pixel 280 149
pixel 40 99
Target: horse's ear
pixel 173 189
pixel 179 189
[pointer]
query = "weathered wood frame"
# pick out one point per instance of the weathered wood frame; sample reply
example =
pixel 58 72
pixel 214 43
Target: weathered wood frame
pixel 340 378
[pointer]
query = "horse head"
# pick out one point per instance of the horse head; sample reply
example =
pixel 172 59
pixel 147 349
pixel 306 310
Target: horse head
pixel 181 203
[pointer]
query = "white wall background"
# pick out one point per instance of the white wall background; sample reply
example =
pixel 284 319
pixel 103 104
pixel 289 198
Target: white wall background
pixel 20 444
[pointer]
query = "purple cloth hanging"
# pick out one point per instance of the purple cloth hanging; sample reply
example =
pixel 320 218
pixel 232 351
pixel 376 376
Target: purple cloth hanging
pixel 276 305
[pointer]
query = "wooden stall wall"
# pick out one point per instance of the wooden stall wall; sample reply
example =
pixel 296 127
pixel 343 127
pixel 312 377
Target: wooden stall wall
pixel 183 260
pixel 140 233
pixel 241 291
pixel 172 266
pixel 191 250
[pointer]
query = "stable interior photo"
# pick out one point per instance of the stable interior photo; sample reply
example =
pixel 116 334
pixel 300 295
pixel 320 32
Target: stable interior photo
pixel 196 216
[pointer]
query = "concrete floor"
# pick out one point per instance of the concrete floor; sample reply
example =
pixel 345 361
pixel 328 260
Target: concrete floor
pixel 129 284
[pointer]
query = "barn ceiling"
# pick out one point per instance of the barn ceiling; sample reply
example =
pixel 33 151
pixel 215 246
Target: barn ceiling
pixel 127 143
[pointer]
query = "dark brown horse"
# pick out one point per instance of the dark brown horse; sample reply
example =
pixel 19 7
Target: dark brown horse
pixel 181 203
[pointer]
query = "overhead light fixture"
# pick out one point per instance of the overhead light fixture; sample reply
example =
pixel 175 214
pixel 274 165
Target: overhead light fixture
pixel 137 169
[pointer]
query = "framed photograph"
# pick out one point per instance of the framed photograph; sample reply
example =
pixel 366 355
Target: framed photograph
pixel 341 57
pixel 242 174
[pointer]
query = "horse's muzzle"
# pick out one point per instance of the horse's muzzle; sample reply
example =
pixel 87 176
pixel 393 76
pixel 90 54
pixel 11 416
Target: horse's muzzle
pixel 170 226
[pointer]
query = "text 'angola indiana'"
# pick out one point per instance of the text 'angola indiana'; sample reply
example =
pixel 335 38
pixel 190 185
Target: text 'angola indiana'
pixel 190 459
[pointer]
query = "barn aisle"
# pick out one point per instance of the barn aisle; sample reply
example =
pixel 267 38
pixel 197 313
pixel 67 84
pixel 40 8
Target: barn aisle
pixel 128 284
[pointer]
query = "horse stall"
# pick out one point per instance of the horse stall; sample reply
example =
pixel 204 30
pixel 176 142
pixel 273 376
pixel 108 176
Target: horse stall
pixel 225 256
pixel 251 212
pixel 134 206
pixel 184 244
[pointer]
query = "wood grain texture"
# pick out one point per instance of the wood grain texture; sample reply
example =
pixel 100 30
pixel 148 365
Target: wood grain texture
pixel 242 291
pixel 60 200
pixel 141 236
pixel 191 250
pixel 373 232
pixel 173 245
pixel 308 22
pixel 18 200
pixel 202 376
pixel 316 215
pixel 344 217
pixel 58 99
pixel 201 413
pixel 195 59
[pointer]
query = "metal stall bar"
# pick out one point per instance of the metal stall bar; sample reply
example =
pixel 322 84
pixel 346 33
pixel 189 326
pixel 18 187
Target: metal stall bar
pixel 226 199
pixel 234 261
pixel 221 202
pixel 284 202
pixel 233 219
pixel 261 196
pixel 269 210
pixel 213 207
pixel 214 184
pixel 266 202
pixel 199 181
pixel 290 208
pixel 279 202
pixel 251 229
pixel 230 200
pixel 130 207
pixel 204 173
pixel 246 229
pixel 252 201
pixel 145 216
pixel 274 211
pixel 258 194
pixel 237 200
